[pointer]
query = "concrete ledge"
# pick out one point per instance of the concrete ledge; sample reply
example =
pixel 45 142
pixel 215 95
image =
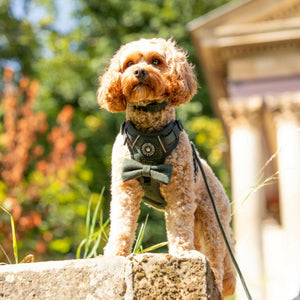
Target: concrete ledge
pixel 144 276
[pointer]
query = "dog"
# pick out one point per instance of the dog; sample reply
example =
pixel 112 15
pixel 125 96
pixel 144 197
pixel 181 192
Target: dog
pixel 148 78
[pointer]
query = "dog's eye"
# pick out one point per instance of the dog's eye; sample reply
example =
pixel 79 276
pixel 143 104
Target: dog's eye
pixel 130 63
pixel 155 61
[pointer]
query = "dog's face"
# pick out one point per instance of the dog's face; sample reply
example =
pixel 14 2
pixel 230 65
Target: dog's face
pixel 145 71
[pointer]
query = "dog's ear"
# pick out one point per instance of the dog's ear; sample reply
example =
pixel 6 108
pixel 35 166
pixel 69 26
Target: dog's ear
pixel 109 94
pixel 182 79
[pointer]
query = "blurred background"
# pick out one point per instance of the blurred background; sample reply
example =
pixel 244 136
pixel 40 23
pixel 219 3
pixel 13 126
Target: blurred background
pixel 55 142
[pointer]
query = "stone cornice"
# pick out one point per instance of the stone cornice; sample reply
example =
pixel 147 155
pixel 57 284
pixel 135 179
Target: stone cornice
pixel 283 11
pixel 244 29
pixel 242 113
pixel 233 51
pixel 285 107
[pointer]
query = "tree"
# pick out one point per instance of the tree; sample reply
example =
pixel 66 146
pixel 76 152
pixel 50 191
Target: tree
pixel 67 65
pixel 18 42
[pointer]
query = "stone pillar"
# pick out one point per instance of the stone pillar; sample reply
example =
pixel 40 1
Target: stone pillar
pixel 244 121
pixel 286 113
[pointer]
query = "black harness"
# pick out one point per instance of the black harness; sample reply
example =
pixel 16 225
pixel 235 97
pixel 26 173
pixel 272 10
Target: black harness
pixel 150 149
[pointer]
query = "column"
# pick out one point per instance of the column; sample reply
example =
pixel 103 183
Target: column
pixel 286 113
pixel 244 121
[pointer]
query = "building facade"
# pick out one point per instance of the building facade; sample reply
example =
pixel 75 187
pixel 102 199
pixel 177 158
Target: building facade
pixel 249 52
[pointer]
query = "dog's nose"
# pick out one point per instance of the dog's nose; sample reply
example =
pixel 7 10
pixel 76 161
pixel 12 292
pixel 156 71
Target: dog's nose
pixel 140 73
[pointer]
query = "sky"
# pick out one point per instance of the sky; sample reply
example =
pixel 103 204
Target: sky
pixel 64 21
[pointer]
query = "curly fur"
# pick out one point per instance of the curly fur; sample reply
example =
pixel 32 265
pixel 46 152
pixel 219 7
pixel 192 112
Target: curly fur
pixel 190 220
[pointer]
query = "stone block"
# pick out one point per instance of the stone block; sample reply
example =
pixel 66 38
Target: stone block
pixel 143 276
pixel 162 277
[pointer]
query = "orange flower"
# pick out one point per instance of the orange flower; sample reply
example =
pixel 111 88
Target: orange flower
pixel 80 148
pixel 40 247
pixel 66 114
pixel 38 151
pixel 33 90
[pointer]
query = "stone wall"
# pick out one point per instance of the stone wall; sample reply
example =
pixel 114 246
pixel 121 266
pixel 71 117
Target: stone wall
pixel 143 276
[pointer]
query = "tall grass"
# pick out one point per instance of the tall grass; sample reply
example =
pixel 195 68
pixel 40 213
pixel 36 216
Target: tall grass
pixel 97 228
pixel 95 233
pixel 261 181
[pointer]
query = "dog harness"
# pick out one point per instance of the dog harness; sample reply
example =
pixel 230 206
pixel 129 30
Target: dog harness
pixel 148 152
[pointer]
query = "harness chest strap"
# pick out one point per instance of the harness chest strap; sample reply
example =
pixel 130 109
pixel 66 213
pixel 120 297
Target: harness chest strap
pixel 150 150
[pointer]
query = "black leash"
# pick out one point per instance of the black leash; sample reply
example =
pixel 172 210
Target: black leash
pixel 220 225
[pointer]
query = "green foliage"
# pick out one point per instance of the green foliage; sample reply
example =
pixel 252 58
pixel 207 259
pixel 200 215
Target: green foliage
pixel 70 63
pixel 17 39
pixel 44 188
pixel 210 140
pixel 52 226
pixel 67 64
pixel 61 228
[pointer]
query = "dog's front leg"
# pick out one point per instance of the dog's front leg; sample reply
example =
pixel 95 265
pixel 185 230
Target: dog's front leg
pixel 180 224
pixel 124 206
pixel 124 212
pixel 180 198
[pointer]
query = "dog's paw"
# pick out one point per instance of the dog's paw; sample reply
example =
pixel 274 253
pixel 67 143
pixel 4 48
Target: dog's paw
pixel 112 250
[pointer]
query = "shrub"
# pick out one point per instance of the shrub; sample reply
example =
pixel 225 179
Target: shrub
pixel 43 179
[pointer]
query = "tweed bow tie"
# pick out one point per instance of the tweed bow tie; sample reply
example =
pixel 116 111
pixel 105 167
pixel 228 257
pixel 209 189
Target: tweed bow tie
pixel 134 170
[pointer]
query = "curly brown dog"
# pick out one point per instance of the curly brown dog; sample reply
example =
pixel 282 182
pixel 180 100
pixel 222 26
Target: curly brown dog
pixel 148 79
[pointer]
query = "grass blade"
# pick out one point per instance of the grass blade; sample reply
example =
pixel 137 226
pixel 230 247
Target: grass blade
pixel 154 247
pixel 15 246
pixel 87 227
pixel 98 237
pixel 5 254
pixel 79 248
pixel 260 184
pixel 99 204
pixel 13 231
pixel 140 237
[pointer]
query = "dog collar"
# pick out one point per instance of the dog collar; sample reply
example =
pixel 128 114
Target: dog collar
pixel 152 107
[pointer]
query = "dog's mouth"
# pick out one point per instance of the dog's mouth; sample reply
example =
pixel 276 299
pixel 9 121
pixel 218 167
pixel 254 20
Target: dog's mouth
pixel 142 92
pixel 142 84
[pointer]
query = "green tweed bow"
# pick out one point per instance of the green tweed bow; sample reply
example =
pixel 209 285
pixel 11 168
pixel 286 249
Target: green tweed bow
pixel 134 170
